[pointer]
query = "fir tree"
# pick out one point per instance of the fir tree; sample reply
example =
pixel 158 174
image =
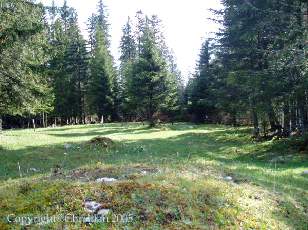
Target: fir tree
pixel 24 87
pixel 150 88
pixel 100 89
pixel 128 50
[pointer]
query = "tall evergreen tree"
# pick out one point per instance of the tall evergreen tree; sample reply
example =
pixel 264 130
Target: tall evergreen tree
pixel 150 88
pixel 76 66
pixel 99 19
pixel 128 50
pixel 202 96
pixel 100 89
pixel 127 43
pixel 91 30
pixel 104 86
pixel 69 66
pixel 102 20
pixel 259 64
pixel 24 87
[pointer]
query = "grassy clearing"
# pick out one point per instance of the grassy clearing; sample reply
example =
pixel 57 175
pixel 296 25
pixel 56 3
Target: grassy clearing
pixel 183 186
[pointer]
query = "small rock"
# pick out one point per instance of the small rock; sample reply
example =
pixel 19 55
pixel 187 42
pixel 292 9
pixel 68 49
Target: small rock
pixel 34 170
pixel 305 172
pixel 187 222
pixel 228 178
pixel 106 180
pixel 68 146
pixel 143 172
pixel 103 212
pixel 92 206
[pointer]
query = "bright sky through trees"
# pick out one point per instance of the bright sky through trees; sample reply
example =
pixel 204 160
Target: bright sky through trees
pixel 185 22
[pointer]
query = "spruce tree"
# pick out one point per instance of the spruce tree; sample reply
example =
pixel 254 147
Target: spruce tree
pixel 103 92
pixel 69 66
pixel 102 20
pixel 76 66
pixel 24 87
pixel 150 88
pixel 100 87
pixel 260 64
pixel 199 95
pixel 128 50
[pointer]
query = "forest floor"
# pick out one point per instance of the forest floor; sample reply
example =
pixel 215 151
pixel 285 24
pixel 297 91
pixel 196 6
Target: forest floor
pixel 180 176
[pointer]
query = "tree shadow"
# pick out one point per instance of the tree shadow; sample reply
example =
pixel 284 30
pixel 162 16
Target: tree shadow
pixel 217 145
pixel 176 149
pixel 102 131
pixel 95 126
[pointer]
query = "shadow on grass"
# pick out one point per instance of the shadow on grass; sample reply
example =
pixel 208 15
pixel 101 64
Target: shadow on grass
pixel 96 126
pixel 103 131
pixel 219 146
pixel 232 149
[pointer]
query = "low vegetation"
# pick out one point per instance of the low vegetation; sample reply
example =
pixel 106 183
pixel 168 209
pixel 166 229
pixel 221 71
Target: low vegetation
pixel 178 176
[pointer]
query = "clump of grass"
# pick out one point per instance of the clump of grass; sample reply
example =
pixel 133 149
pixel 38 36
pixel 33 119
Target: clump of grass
pixel 24 188
pixel 102 141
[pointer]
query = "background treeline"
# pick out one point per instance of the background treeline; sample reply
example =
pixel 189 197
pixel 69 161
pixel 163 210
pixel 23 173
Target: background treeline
pixel 52 75
pixel 253 71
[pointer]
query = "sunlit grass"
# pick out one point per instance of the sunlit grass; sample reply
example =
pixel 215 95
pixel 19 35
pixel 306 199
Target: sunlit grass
pixel 192 162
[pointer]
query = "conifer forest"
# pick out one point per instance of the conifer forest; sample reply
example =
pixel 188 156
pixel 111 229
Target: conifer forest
pixel 97 141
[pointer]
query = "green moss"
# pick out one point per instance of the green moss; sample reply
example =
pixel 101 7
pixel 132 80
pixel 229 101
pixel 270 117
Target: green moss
pixel 171 176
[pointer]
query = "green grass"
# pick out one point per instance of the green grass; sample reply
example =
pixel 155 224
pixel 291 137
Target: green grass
pixel 186 189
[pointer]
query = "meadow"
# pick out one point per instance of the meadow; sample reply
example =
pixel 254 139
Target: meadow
pixel 180 176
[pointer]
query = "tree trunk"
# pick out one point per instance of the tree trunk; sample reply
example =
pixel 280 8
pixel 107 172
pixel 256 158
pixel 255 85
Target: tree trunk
pixel 305 112
pixel 43 120
pixel 152 122
pixel 1 123
pixel 255 120
pixel 293 117
pixel 272 119
pixel 303 117
pixel 102 119
pixel 33 123
pixel 286 118
pixel 233 119
pixel 22 123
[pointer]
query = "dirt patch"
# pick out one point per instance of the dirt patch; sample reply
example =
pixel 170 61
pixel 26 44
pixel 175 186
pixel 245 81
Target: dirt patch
pixel 118 173
pixel 103 141
pixel 142 169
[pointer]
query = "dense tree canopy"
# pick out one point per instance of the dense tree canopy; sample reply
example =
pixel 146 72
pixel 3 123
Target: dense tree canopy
pixel 259 65
pixel 24 88
pixel 254 71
